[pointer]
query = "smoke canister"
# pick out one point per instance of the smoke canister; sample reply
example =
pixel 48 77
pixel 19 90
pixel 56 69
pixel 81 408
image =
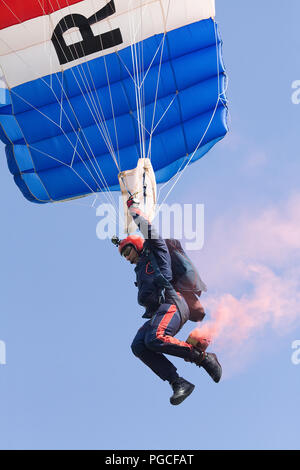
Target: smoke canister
pixel 198 341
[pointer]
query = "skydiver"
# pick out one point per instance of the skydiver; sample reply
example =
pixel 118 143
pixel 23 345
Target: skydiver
pixel 166 310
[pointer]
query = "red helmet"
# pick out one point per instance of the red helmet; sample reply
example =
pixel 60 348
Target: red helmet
pixel 134 240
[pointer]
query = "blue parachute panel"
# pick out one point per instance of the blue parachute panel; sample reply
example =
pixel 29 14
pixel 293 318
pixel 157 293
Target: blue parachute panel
pixel 56 128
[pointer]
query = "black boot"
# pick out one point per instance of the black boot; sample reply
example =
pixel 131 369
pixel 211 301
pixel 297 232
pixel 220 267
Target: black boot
pixel 209 362
pixel 182 389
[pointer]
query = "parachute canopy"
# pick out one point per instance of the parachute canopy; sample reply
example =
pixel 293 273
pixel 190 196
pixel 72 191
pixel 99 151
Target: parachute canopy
pixel 89 87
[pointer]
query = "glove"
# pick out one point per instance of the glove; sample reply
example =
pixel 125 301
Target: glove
pixel 131 200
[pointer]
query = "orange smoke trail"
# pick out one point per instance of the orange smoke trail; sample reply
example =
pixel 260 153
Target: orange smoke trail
pixel 212 329
pixel 273 303
pixel 257 254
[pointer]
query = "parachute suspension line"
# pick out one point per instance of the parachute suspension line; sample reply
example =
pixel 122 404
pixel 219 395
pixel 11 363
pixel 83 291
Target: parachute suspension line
pixel 103 131
pixel 104 134
pixel 140 101
pixel 107 192
pixel 165 112
pixel 136 72
pixel 138 68
pixel 49 119
pixel 139 81
pixel 158 81
pixel 156 95
pixel 99 171
pixel 101 120
pixel 183 166
pixel 181 170
pixel 138 86
pixel 117 162
pixel 142 84
pixel 69 141
pixel 151 63
pixel 62 112
pixel 143 94
pixel 153 59
pixel 101 178
pixel 111 101
pixel 141 76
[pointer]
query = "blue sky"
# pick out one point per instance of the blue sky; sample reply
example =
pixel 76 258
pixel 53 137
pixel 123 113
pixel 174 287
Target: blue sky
pixel 68 304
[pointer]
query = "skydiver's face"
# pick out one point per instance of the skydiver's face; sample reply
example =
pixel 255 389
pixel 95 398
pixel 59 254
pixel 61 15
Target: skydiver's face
pixel 130 254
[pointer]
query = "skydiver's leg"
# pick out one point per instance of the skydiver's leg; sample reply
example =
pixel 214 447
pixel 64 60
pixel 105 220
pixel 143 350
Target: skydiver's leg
pixel 159 336
pixel 158 363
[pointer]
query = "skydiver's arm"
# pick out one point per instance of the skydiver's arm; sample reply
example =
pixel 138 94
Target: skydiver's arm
pixel 157 243
pixel 147 229
pixel 143 223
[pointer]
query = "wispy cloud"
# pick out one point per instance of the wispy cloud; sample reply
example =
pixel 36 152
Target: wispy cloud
pixel 257 258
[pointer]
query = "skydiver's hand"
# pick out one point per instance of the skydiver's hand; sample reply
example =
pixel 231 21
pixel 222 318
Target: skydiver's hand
pixel 132 200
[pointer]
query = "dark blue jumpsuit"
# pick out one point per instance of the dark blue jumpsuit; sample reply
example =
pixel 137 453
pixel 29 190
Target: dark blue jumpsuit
pixel 156 337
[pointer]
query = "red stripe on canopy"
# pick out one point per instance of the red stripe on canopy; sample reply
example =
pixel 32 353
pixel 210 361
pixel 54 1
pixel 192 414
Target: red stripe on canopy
pixel 16 11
